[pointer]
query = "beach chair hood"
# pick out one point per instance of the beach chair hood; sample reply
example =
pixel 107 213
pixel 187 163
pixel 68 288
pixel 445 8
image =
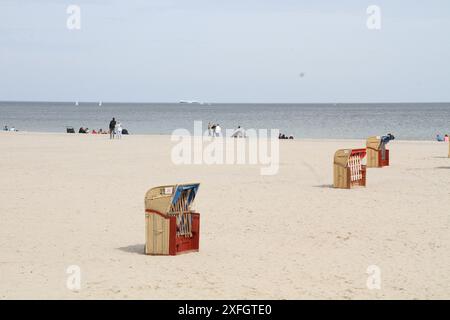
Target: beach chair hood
pixel 374 143
pixel 342 156
pixel 160 199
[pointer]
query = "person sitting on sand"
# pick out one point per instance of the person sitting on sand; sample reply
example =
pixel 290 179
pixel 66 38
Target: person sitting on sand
pixel 285 136
pixel 93 131
pixel 439 138
pixel 446 139
pixel 6 128
pixel 81 130
pixel 112 126
pixel 239 133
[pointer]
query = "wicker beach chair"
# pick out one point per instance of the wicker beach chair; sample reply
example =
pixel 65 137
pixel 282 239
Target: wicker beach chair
pixel 377 154
pixel 349 169
pixel 172 226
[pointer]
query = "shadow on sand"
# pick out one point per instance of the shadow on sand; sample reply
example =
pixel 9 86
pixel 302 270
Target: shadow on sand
pixel 442 168
pixel 328 186
pixel 135 248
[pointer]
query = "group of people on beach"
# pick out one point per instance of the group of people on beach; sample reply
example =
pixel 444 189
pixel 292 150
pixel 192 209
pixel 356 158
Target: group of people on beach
pixel 115 129
pixel 6 128
pixel 214 130
pixel 87 130
pixel 285 136
pixel 445 138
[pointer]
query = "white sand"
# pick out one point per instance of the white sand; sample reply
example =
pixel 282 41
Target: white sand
pixel 78 200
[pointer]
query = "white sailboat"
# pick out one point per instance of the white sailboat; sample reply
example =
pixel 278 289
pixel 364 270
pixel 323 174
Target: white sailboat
pixel 100 104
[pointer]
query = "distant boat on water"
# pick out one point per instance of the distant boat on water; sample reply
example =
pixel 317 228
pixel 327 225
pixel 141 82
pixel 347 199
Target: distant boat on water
pixel 100 104
pixel 190 102
pixel 76 103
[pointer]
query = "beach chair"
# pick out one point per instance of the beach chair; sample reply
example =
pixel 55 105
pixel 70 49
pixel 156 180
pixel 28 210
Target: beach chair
pixel 349 169
pixel 377 154
pixel 172 226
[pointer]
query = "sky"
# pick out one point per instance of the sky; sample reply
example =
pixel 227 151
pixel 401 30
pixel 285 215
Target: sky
pixel 261 51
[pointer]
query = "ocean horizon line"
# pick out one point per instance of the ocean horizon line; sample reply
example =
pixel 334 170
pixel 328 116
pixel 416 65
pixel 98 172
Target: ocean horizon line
pixel 184 102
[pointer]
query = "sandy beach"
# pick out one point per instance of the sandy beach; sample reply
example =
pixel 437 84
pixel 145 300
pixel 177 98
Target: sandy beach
pixel 79 200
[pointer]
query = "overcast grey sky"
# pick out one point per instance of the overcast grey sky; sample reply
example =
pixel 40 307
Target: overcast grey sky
pixel 225 51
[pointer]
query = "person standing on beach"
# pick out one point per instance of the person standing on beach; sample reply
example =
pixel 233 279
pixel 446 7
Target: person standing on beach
pixel 119 130
pixel 112 127
pixel 209 129
pixel 218 130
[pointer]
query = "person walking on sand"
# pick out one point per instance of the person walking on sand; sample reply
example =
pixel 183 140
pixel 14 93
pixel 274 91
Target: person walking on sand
pixel 118 130
pixel 112 126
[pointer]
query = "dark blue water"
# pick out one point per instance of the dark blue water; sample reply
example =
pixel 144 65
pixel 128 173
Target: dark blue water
pixel 409 121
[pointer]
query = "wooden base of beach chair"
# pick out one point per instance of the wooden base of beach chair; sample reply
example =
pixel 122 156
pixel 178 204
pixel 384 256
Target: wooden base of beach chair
pixel 375 158
pixel 161 235
pixel 342 178
pixel 374 148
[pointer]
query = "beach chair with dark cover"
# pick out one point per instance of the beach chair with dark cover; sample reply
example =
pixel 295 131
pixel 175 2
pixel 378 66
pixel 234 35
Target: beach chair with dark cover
pixel 377 154
pixel 172 226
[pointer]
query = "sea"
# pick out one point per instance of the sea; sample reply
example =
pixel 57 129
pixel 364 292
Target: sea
pixel 406 121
